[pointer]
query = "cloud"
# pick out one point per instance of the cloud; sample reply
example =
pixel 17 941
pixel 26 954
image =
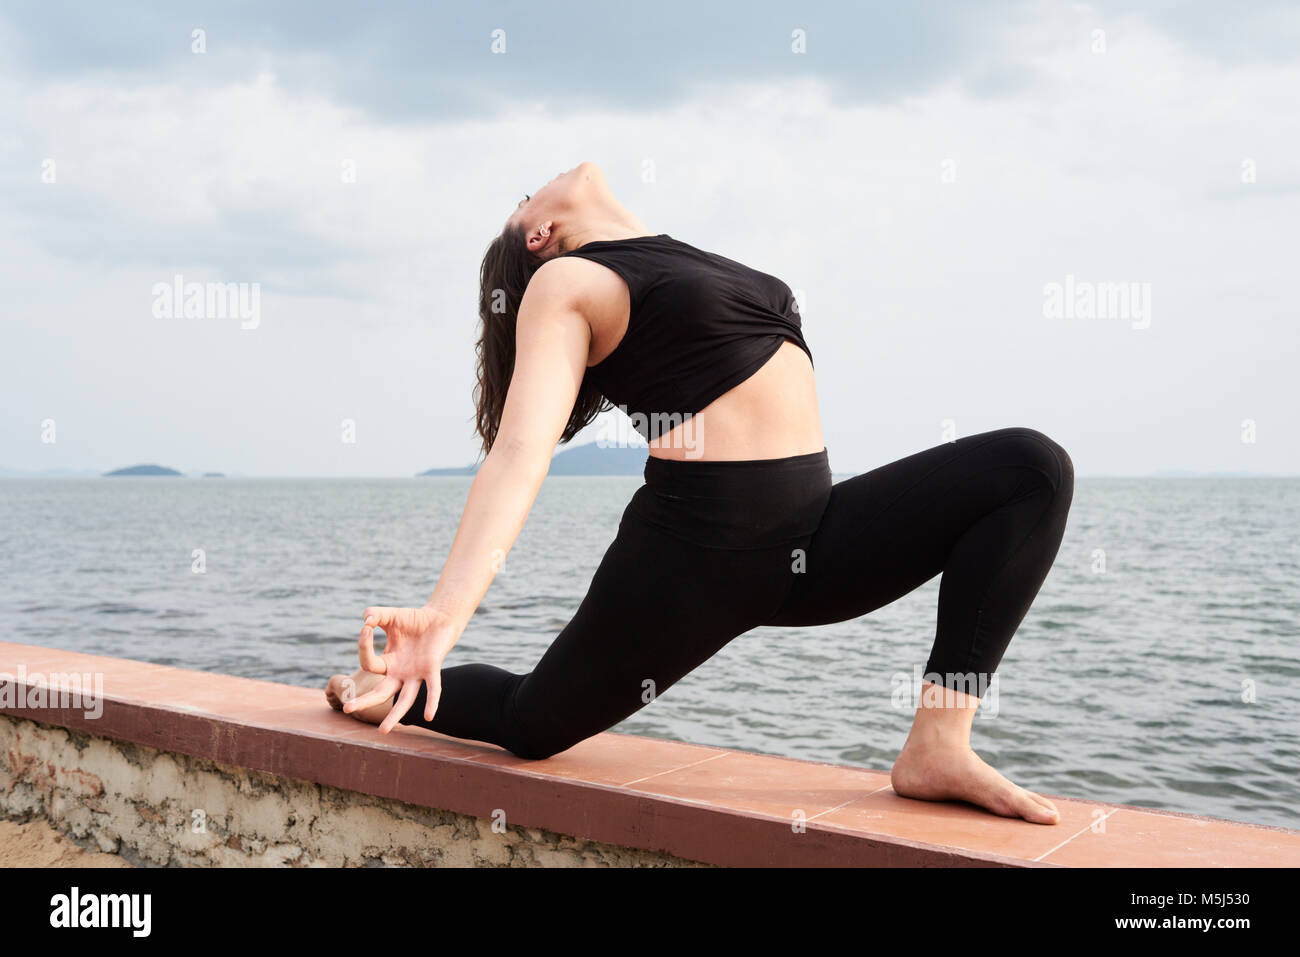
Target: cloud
pixel 1242 34
pixel 418 61
pixel 924 295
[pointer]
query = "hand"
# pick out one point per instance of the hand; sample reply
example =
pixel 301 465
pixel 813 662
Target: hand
pixel 418 641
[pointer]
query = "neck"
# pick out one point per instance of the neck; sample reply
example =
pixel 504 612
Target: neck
pixel 605 225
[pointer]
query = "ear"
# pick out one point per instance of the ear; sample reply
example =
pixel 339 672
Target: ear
pixel 540 237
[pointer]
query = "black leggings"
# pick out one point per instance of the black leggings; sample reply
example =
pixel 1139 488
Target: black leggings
pixel 706 551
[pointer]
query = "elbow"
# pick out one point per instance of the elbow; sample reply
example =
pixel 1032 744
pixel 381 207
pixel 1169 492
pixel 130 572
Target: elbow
pixel 520 456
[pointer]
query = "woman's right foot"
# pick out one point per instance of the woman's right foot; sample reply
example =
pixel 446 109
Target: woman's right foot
pixel 944 772
pixel 341 688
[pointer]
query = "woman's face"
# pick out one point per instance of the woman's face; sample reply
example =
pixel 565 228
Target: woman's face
pixel 564 191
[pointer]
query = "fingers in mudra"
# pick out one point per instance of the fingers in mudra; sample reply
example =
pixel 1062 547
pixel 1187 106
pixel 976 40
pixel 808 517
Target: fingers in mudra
pixel 374 618
pixel 434 683
pixel 380 692
pixel 416 642
pixel 403 704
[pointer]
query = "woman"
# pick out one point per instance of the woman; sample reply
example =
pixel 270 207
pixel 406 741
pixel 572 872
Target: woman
pixel 737 525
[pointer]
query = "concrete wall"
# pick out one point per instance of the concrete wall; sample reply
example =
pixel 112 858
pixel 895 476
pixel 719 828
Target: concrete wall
pixel 157 808
pixel 280 778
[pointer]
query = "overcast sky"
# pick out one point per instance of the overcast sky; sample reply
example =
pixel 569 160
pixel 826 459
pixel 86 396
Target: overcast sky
pixel 922 174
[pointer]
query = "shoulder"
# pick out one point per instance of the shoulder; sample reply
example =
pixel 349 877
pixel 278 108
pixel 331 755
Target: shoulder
pixel 577 283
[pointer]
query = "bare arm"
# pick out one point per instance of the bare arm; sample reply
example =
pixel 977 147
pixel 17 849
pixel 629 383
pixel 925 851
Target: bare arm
pixel 552 342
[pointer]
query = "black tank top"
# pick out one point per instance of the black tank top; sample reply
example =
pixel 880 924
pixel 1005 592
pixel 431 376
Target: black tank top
pixel 700 324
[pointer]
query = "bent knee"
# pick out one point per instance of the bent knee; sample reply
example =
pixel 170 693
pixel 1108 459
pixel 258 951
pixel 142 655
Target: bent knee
pixel 1034 450
pixel 531 752
pixel 537 746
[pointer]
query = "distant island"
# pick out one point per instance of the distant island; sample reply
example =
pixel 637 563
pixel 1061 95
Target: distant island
pixel 589 459
pixel 142 470
pixel 1187 473
pixel 214 475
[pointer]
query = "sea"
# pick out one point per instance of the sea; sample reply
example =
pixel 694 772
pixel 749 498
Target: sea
pixel 1159 667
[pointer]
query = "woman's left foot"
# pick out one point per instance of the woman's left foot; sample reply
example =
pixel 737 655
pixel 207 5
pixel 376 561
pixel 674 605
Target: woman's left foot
pixel 945 773
pixel 341 688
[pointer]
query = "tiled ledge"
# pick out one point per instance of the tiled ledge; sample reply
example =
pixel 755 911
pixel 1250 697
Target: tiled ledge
pixel 700 803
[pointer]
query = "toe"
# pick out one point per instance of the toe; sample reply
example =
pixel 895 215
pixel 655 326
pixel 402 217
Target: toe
pixel 1042 800
pixel 1035 809
pixel 331 693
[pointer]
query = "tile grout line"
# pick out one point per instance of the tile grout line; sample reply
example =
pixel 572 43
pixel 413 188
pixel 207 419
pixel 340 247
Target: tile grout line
pixel 712 757
pixel 1087 827
pixel 864 794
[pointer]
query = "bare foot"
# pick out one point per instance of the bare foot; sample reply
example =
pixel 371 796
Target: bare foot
pixel 341 688
pixel 944 772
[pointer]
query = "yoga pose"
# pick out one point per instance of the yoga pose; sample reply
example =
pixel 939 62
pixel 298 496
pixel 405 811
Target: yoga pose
pixel 738 523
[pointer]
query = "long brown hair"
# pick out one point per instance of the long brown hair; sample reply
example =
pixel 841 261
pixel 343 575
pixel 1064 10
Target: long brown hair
pixel 503 277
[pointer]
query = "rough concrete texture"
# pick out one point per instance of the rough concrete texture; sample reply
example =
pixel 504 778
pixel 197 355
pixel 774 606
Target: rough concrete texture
pixel 35 844
pixel 157 808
